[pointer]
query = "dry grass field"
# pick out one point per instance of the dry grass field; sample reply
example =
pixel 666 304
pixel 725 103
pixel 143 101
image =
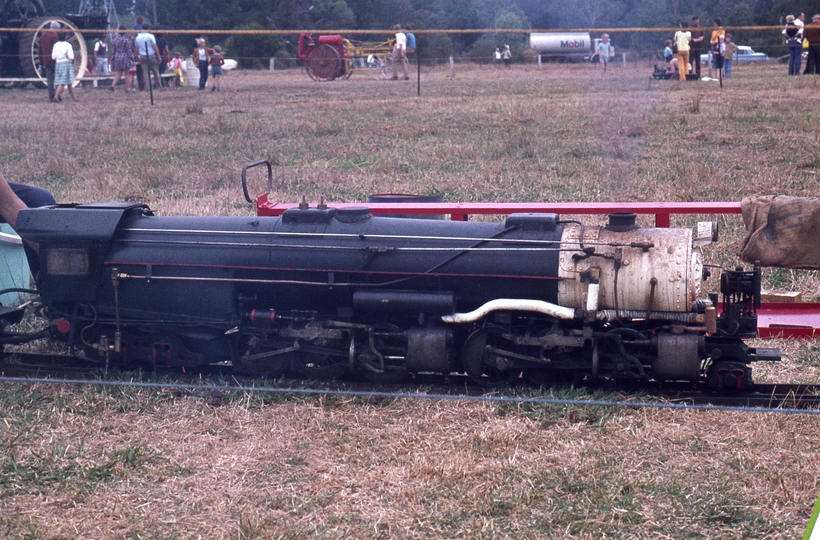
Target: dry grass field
pixel 87 463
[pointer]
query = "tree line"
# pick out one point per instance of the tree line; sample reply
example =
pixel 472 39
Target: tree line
pixel 319 15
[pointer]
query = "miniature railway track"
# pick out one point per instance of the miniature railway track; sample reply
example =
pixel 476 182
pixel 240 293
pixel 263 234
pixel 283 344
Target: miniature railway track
pixel 61 369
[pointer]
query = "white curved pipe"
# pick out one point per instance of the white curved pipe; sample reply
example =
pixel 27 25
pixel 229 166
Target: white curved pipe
pixel 511 304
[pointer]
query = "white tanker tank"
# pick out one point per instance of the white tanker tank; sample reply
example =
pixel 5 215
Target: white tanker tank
pixel 567 45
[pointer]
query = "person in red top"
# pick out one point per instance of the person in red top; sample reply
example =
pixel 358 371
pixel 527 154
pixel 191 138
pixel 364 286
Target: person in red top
pixel 47 41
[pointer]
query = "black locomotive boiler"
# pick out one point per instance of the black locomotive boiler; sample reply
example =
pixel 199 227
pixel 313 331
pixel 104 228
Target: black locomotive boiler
pixel 323 292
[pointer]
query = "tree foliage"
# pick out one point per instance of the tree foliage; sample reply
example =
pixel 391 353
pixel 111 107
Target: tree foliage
pixel 454 14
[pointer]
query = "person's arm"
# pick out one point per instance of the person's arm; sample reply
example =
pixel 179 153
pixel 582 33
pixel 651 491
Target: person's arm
pixel 10 203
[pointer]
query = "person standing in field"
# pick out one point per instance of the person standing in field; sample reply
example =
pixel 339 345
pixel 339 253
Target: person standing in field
pixel 795 45
pixel 122 58
pixel 506 55
pixel 716 46
pixel 411 39
pixel 811 32
pixel 145 46
pixel 101 57
pixel 603 53
pixel 201 58
pixel 681 39
pixel 696 45
pixel 729 49
pixel 47 41
pixel 400 54
pixel 162 46
pixel 63 55
pixel 217 60
pixel 497 57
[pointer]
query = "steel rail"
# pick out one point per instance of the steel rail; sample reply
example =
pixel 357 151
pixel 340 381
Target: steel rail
pixel 407 395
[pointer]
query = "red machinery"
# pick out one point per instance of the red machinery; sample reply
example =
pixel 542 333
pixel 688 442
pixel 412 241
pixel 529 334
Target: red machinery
pixel 325 57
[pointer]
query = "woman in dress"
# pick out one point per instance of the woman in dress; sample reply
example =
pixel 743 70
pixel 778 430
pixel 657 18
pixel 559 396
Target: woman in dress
pixel 63 56
pixel 123 59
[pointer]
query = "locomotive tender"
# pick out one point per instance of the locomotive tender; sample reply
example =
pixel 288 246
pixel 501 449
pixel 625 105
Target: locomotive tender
pixel 324 291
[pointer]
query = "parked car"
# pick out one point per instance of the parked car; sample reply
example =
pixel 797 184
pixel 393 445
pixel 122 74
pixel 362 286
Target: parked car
pixel 744 53
pixel 785 58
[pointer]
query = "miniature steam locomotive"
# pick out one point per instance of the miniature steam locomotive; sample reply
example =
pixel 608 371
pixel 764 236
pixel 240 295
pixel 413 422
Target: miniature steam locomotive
pixel 324 292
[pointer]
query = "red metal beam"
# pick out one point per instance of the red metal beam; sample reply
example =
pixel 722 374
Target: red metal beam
pixel 462 211
pixel 789 319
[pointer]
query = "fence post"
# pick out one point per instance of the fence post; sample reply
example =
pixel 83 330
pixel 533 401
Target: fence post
pixel 271 65
pixel 539 61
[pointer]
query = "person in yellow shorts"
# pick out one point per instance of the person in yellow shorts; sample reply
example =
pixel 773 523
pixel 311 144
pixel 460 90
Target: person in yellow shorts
pixel 682 39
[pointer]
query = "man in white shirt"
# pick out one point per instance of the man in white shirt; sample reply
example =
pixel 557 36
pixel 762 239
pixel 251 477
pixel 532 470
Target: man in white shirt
pixel 400 54
pixel 145 46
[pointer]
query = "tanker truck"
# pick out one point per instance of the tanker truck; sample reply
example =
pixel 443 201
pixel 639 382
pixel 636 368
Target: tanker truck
pixel 568 46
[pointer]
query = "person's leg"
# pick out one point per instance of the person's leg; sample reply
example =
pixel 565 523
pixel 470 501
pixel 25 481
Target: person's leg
pixel 203 75
pixel 727 69
pixel 153 63
pixel 683 61
pixel 50 81
pixel 395 61
pixel 144 71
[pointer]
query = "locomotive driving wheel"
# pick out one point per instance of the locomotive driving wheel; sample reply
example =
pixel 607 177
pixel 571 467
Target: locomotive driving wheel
pixel 324 63
pixel 29 48
pixel 483 366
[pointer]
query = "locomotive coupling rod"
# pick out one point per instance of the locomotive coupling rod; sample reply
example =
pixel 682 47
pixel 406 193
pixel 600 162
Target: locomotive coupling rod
pixel 512 304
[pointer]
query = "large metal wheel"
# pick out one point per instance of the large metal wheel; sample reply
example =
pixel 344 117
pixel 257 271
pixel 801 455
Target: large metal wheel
pixel 29 48
pixel 480 365
pixel 324 63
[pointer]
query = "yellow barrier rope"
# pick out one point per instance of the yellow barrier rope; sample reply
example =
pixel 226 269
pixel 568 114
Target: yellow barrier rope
pixel 417 32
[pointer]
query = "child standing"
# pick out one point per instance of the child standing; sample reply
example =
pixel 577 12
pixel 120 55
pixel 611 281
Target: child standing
pixel 217 59
pixel 603 53
pixel 176 68
pixel 728 54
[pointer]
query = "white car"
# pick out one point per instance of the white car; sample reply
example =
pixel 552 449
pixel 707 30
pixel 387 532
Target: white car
pixel 744 53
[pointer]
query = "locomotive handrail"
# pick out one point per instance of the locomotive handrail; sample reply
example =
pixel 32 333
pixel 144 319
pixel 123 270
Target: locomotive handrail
pixel 462 211
pixel 245 180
